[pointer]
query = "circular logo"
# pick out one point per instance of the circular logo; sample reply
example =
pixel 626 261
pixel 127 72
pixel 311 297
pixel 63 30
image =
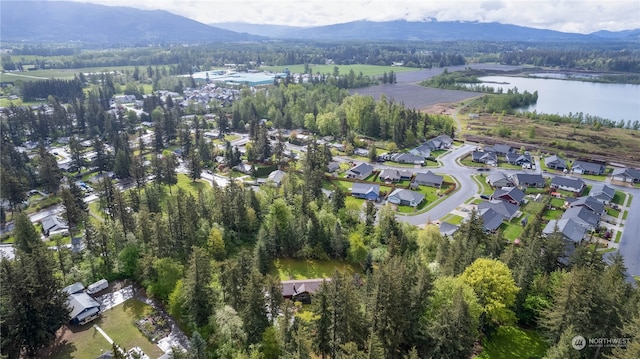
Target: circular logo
pixel 578 342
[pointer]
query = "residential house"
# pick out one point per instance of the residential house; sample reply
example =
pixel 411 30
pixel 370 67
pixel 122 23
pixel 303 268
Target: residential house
pixel 361 171
pixel 423 151
pixel 518 159
pixel 83 308
pixel 448 229
pixel 589 202
pixel 568 227
pixel 555 162
pixel 499 179
pixel 333 166
pixel 488 158
pixel 276 177
pixel 508 210
pixel 53 224
pixel 570 184
pixel 77 244
pixel 500 149
pixel 428 179
pixel 630 175
pixel 366 191
pixel 361 152
pixel 74 288
pixel 526 180
pixel 583 216
pixel 602 193
pixel 491 220
pixel 588 168
pixel 512 195
pixel 301 290
pixel 405 197
pixel 243 168
pixel 407 158
pixel 393 175
pixel 441 142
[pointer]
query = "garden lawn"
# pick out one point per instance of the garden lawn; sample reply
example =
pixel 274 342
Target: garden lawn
pixel 557 202
pixel 288 268
pixel 118 323
pixel 534 207
pixel 513 342
pixel 612 212
pixel 482 183
pixel 453 219
pixel 619 198
pixel 511 231
pixel 552 214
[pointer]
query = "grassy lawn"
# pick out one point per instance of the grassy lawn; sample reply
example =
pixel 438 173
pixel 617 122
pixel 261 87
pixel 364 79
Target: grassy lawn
pixel 309 268
pixel 534 207
pixel 534 190
pixel 513 342
pixel 511 231
pixel 482 183
pixel 612 212
pixel 619 198
pixel 625 214
pixel 466 161
pixel 453 219
pixel 509 166
pixel 557 202
pixel 118 323
pixel 618 236
pixel 367 70
pixel 552 214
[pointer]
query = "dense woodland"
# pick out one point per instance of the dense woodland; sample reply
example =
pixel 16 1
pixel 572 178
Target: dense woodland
pixel 207 256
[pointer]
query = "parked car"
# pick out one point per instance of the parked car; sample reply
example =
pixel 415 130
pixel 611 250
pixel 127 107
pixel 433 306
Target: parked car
pixel 484 196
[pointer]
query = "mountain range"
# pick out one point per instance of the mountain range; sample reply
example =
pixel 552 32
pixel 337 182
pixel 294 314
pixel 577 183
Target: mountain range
pixel 62 21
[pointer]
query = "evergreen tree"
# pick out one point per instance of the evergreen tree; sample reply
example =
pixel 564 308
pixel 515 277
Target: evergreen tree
pixel 198 294
pixel 48 170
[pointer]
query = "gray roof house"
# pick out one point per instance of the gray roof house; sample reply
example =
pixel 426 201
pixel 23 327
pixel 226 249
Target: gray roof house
pixel 568 227
pixel 555 162
pixel 518 159
pixel 500 149
pixel 583 216
pixel 424 150
pixel 333 166
pixel 448 229
pixel 590 203
pixel 52 224
pixel 74 288
pixel 602 193
pixel 276 177
pixel 489 158
pixel 499 179
pixel 405 197
pixel 512 195
pixel 528 180
pixel 631 175
pixel 83 308
pixel 428 179
pixel 407 158
pixel 360 171
pixel 393 175
pixel 570 184
pixel 506 209
pixel 301 290
pixel 587 168
pixel 366 191
pixel 439 143
pixel 491 220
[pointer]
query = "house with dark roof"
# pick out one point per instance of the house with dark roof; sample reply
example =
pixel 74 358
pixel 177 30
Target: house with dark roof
pixel 488 158
pixel 448 229
pixel 630 175
pixel 508 210
pixel 583 216
pixel 568 227
pixel 500 149
pixel 587 168
pixel 512 195
pixel 602 193
pixel 518 159
pixel 333 166
pixel 439 143
pixel 53 224
pixel 83 308
pixel 555 162
pixel 276 177
pixel 428 179
pixel 491 220
pixel 570 184
pixel 361 171
pixel 526 180
pixel 302 290
pixel 405 197
pixel 407 158
pixel 366 191
pixel 393 175
pixel 423 150
pixel 589 202
pixel 74 288
pixel 499 179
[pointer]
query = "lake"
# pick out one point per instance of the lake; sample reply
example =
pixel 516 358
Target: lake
pixel 611 101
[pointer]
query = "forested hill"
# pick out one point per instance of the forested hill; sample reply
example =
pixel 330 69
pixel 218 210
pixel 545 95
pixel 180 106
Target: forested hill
pixel 61 21
pixel 430 31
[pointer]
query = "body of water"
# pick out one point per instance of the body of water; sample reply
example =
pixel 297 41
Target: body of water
pixel 611 101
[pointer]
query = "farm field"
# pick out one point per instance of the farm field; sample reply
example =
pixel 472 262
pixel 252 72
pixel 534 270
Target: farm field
pixel 62 73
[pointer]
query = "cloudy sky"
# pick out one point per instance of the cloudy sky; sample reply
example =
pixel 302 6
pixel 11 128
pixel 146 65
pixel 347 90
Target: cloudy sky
pixel 583 16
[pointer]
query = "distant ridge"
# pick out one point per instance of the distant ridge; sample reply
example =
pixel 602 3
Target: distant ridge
pixel 62 21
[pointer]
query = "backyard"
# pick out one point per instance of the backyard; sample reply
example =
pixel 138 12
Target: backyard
pixel 289 268
pixel 513 342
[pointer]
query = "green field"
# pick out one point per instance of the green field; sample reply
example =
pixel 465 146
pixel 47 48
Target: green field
pixel 619 198
pixel 63 73
pixel 287 269
pixel 453 219
pixel 485 188
pixel 513 342
pixel 86 342
pixel 511 230
pixel 367 70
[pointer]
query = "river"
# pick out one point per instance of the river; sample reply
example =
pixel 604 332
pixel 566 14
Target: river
pixel 611 101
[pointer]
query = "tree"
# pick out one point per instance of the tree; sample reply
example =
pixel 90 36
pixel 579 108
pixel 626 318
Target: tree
pixel 322 337
pixel 198 293
pixel 122 164
pixel 492 282
pixel 48 170
pixel 269 346
pixel 194 163
pixel 32 303
pixel 75 207
pixel 230 334
pixel 197 347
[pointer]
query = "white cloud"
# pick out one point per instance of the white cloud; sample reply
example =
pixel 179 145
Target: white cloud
pixel 564 15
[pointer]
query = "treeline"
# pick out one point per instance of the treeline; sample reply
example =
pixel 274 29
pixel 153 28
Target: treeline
pixel 596 60
pixel 64 90
pixel 580 118
pixel 457 80
pixel 508 102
